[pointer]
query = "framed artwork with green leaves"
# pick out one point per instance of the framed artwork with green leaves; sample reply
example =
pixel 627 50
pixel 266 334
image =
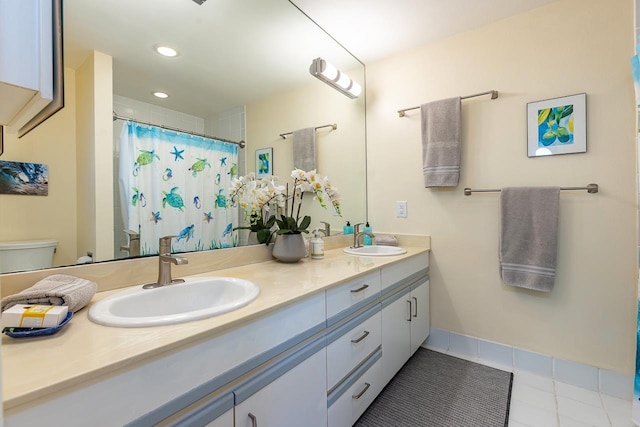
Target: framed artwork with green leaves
pixel 557 126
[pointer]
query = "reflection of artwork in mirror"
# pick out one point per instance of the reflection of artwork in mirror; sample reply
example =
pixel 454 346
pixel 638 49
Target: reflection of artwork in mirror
pixel 557 126
pixel 29 179
pixel 264 162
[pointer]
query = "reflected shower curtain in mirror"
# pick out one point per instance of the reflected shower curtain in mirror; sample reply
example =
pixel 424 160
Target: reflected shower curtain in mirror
pixel 177 184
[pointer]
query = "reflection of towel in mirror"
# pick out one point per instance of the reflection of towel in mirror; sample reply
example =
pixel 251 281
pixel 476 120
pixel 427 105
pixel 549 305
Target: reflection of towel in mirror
pixel 529 236
pixel 386 240
pixel 304 149
pixel 58 289
pixel 441 143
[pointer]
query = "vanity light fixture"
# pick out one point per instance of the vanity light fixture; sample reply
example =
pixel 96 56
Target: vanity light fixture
pixel 165 50
pixel 339 80
pixel 160 95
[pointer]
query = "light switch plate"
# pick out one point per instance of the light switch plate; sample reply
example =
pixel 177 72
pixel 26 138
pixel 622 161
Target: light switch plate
pixel 401 209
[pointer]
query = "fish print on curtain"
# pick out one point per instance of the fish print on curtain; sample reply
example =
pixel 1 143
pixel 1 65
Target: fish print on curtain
pixel 177 184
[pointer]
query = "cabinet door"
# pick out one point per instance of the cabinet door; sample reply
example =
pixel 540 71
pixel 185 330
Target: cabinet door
pixel 297 398
pixel 224 420
pixel 396 332
pixel 419 315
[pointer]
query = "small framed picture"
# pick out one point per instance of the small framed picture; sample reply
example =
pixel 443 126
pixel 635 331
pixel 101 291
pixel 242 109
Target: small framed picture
pixel 557 126
pixel 264 162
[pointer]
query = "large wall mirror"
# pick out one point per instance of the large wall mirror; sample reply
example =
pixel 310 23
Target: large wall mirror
pixel 241 73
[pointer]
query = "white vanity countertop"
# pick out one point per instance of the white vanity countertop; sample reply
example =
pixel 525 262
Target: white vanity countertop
pixel 83 350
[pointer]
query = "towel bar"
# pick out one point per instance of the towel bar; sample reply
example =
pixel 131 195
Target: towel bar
pixel 493 93
pixel 591 189
pixel 332 126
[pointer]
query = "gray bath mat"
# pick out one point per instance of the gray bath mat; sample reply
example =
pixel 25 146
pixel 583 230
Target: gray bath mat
pixel 434 389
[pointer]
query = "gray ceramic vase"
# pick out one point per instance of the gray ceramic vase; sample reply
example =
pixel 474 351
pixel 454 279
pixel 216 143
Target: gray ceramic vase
pixel 289 248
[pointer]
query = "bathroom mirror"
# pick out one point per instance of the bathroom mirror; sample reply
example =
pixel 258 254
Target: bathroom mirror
pixel 242 72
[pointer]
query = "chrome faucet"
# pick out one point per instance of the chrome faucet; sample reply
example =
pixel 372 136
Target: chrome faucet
pixel 327 228
pixel 357 234
pixel 165 259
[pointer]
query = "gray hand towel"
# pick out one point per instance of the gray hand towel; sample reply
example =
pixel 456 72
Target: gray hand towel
pixel 304 149
pixel 441 142
pixel 58 289
pixel 529 236
pixel 386 240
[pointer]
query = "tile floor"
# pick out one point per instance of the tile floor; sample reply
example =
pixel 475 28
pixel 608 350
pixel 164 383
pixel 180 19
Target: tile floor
pixel 538 401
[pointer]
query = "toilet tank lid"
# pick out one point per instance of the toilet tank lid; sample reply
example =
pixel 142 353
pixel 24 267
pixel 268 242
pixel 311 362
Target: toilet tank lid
pixel 27 244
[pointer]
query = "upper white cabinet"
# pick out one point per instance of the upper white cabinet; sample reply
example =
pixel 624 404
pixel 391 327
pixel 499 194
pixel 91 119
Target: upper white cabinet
pixel 26 60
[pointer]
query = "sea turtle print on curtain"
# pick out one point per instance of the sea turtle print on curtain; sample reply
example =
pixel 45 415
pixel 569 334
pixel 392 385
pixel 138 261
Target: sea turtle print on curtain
pixel 176 184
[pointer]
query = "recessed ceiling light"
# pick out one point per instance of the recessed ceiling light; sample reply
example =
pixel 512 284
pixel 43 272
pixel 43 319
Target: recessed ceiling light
pixel 166 50
pixel 160 95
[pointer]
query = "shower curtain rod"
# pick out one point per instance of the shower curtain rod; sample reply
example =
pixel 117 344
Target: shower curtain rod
pixel 333 126
pixel 493 93
pixel 591 189
pixel 188 132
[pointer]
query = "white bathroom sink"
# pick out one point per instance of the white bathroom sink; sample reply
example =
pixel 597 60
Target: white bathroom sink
pixel 375 250
pixel 196 298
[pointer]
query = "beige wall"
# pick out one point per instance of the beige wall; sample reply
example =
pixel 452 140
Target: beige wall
pixel 340 152
pixel 53 216
pixel 94 156
pixel 567 47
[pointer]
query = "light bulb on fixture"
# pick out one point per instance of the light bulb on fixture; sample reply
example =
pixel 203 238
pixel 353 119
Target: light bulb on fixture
pixel 339 80
pixel 160 95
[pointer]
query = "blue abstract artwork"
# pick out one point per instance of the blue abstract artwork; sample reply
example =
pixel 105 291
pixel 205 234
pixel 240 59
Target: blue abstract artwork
pixel 29 179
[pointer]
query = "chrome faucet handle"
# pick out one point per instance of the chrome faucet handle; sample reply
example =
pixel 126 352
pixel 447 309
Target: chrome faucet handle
pixel 164 245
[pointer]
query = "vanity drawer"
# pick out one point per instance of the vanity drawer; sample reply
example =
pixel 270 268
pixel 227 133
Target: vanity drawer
pixel 399 271
pixel 349 297
pixel 350 344
pixel 349 403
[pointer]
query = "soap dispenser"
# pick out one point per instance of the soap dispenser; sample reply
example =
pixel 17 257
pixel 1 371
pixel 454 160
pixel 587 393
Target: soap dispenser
pixel 347 229
pixel 366 240
pixel 317 246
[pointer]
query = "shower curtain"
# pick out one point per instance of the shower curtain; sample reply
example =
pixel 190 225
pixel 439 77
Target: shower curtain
pixel 176 184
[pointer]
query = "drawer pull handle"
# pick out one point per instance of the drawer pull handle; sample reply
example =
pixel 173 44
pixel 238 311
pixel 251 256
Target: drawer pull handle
pixel 254 420
pixel 360 289
pixel 409 302
pixel 415 309
pixel 364 390
pixel 364 335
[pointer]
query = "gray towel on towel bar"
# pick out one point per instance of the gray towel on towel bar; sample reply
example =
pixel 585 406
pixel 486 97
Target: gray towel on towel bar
pixel 304 149
pixel 58 289
pixel 529 236
pixel 441 142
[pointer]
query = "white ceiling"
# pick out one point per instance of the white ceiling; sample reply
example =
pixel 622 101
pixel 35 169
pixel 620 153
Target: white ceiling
pixel 236 51
pixel 375 29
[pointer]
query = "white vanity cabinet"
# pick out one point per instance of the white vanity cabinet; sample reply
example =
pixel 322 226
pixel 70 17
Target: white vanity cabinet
pixel 294 398
pixel 405 313
pixel 317 362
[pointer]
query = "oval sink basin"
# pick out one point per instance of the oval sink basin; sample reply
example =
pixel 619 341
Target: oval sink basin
pixel 375 250
pixel 196 298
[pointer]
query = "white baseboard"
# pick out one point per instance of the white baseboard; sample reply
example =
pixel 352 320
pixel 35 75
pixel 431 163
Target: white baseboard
pixel 510 359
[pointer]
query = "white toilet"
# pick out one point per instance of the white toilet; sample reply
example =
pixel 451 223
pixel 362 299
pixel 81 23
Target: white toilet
pixel 26 255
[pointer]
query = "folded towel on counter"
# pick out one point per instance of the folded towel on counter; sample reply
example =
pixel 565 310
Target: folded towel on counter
pixel 441 142
pixel 304 149
pixel 386 240
pixel 58 289
pixel 529 236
